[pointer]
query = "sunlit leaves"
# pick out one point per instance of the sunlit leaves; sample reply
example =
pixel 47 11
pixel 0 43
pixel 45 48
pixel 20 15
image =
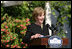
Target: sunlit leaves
pixel 53 13
pixel 64 9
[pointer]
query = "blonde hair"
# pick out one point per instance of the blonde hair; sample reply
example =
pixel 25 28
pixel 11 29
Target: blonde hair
pixel 37 11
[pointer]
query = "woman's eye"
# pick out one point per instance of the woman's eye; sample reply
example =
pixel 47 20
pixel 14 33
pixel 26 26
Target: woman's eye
pixel 40 16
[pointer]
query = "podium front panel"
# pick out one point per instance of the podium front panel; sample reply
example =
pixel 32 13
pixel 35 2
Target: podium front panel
pixel 44 41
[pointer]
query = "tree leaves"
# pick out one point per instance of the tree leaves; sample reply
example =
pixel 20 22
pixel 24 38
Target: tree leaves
pixel 53 13
pixel 64 9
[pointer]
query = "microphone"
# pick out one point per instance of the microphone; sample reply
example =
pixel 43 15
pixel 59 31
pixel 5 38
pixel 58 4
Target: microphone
pixel 53 28
pixel 49 27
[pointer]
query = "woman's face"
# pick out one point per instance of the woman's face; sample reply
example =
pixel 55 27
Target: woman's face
pixel 40 18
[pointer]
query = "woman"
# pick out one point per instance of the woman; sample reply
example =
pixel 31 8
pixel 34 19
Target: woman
pixel 38 28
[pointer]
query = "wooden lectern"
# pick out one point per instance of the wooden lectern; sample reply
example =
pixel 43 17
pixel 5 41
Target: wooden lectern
pixel 44 41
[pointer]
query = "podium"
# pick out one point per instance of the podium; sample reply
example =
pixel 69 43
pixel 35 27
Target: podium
pixel 44 41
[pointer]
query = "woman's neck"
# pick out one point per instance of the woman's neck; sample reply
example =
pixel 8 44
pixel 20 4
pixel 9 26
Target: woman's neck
pixel 40 24
pixel 37 23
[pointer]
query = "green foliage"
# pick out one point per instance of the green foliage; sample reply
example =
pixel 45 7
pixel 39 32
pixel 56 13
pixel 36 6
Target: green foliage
pixel 64 9
pixel 24 10
pixel 13 31
pixel 14 21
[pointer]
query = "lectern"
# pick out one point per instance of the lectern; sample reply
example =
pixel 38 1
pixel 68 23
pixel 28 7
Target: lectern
pixel 44 41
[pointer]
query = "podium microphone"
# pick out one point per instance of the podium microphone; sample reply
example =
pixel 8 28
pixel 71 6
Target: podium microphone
pixel 55 28
pixel 50 27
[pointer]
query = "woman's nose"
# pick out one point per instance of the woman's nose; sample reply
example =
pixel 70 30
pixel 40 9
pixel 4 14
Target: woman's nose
pixel 42 17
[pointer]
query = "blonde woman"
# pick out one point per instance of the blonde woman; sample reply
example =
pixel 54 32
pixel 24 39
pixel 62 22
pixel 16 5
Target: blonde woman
pixel 36 29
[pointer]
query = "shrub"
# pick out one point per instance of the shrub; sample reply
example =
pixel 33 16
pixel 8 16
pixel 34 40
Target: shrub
pixel 12 32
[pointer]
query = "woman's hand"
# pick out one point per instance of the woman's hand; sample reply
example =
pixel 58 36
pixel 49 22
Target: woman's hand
pixel 35 36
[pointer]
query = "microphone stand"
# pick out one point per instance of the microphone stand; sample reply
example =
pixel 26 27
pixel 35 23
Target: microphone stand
pixel 53 29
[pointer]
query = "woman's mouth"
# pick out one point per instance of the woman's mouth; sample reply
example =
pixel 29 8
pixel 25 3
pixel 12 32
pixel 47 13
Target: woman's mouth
pixel 41 19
